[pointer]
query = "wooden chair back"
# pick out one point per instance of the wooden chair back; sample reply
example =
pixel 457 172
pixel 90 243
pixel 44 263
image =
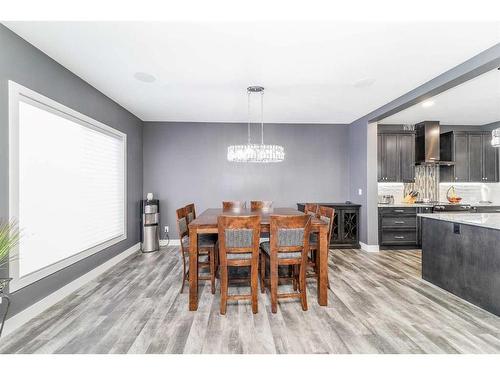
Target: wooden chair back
pixel 290 234
pixel 261 205
pixel 238 234
pixel 182 223
pixel 311 209
pixel 233 205
pixel 190 212
pixel 327 214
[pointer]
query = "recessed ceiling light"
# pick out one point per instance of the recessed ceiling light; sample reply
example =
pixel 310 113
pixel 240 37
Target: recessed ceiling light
pixel 365 82
pixel 428 103
pixel 144 77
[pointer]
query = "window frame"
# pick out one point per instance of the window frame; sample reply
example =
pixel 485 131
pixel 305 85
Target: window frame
pixel 17 94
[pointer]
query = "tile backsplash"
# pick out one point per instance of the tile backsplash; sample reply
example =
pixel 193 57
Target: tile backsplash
pixel 426 182
pixel 395 189
pixel 470 192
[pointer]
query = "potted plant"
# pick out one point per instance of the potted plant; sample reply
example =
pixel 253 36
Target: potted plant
pixel 9 238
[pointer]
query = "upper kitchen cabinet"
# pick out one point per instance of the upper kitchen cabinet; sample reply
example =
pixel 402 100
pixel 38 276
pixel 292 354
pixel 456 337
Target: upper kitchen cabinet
pixel 396 157
pixel 475 154
pixel 407 156
pixel 389 152
pixel 475 159
pixel 490 159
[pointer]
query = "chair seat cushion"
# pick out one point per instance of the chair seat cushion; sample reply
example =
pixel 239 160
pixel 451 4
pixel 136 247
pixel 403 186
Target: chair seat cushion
pixel 204 240
pixel 238 256
pixel 266 247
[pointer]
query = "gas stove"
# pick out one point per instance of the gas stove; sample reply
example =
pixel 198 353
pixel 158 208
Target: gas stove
pixel 451 207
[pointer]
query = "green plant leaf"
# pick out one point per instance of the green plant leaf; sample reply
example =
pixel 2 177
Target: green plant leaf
pixel 9 238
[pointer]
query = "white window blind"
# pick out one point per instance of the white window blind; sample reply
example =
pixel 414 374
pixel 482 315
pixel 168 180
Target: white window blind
pixel 70 186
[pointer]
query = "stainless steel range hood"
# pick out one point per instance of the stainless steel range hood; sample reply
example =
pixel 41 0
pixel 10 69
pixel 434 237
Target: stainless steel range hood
pixel 427 150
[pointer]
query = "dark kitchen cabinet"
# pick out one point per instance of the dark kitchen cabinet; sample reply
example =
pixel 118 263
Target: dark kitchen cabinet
pixel 475 160
pixel 390 158
pixel 490 160
pixel 398 228
pixel 401 227
pixel 396 157
pixel 345 228
pixel 475 157
pixel 460 157
pixel 407 157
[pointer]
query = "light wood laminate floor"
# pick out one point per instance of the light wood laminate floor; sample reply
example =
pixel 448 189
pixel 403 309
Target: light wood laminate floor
pixel 378 304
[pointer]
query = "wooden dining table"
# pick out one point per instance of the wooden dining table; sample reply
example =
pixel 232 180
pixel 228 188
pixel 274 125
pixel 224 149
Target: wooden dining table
pixel 207 223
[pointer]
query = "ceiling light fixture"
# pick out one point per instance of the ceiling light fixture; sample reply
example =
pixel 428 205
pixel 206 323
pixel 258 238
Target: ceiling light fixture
pixel 255 152
pixel 427 103
pixel 144 77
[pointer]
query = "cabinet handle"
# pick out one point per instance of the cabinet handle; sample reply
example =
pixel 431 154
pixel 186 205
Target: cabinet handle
pixel 399 222
pixel 399 210
pixel 399 237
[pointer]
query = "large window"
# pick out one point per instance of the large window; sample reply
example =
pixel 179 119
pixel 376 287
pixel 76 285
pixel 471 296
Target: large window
pixel 67 185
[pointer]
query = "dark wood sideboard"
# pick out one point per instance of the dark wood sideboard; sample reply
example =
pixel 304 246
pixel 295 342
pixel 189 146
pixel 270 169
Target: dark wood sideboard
pixel 345 230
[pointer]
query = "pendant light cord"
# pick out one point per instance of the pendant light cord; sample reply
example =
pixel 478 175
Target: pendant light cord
pixel 248 109
pixel 262 117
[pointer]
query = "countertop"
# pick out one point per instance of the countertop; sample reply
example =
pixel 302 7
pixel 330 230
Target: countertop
pixel 406 205
pixel 489 220
pixel 434 204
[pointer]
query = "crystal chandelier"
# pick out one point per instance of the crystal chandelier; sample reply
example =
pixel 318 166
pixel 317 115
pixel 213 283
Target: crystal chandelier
pixel 255 152
pixel 495 138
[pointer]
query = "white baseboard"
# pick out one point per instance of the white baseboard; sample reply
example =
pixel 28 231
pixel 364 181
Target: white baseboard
pixel 29 313
pixel 369 248
pixel 176 242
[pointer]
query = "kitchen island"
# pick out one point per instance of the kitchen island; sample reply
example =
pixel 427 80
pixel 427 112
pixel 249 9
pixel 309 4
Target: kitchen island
pixel 461 254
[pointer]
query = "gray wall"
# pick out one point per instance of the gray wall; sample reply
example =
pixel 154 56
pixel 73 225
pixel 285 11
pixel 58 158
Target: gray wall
pixel 28 66
pixel 186 162
pixel 362 153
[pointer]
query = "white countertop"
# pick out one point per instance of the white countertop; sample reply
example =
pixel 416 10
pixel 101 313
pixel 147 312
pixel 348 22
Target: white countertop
pixel 489 220
pixel 434 204
pixel 406 205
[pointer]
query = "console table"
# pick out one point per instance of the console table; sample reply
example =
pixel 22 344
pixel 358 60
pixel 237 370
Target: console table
pixel 345 230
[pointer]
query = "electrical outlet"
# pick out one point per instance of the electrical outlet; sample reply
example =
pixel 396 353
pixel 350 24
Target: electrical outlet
pixel 166 228
pixel 360 191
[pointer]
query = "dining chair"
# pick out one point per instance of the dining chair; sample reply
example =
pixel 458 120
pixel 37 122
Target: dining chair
pixel 311 209
pixel 239 247
pixel 325 214
pixel 233 205
pixel 288 246
pixel 207 254
pixel 261 205
pixel 191 212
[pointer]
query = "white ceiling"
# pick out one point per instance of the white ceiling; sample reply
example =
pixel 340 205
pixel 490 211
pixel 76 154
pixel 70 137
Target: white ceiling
pixel 314 72
pixel 475 102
